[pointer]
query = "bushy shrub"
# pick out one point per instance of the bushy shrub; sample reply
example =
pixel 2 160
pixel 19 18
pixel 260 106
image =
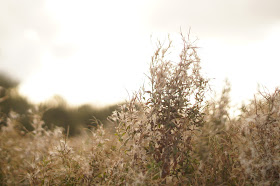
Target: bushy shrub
pixel 260 139
pixel 156 126
pixel 216 145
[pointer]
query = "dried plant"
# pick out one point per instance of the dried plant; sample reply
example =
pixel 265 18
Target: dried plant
pixel 260 149
pixel 217 145
pixel 156 126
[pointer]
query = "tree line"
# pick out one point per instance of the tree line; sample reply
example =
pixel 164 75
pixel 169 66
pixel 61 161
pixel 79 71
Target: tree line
pixel 55 112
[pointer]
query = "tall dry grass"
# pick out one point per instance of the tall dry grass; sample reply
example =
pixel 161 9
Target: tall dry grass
pixel 167 134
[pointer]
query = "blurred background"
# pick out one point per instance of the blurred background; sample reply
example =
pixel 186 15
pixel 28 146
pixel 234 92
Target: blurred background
pixel 84 57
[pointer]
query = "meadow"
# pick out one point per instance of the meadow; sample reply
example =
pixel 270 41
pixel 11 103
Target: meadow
pixel 168 133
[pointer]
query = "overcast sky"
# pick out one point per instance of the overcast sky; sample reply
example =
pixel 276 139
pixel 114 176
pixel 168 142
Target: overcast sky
pixel 96 51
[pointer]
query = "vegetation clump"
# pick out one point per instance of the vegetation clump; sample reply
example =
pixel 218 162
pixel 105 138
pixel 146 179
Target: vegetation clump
pixel 157 126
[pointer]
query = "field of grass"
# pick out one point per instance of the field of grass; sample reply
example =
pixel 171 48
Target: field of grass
pixel 166 134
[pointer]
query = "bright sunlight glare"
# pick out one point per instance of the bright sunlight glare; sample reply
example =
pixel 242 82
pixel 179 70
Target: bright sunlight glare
pixel 101 49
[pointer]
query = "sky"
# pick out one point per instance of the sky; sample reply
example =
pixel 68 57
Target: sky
pixel 90 51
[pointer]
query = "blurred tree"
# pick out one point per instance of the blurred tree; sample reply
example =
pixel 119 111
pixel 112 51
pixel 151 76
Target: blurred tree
pixel 62 117
pixel 86 112
pixel 11 100
pixel 7 82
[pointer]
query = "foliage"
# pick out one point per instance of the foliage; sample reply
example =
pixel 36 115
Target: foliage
pixel 260 139
pixel 7 82
pixel 156 127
